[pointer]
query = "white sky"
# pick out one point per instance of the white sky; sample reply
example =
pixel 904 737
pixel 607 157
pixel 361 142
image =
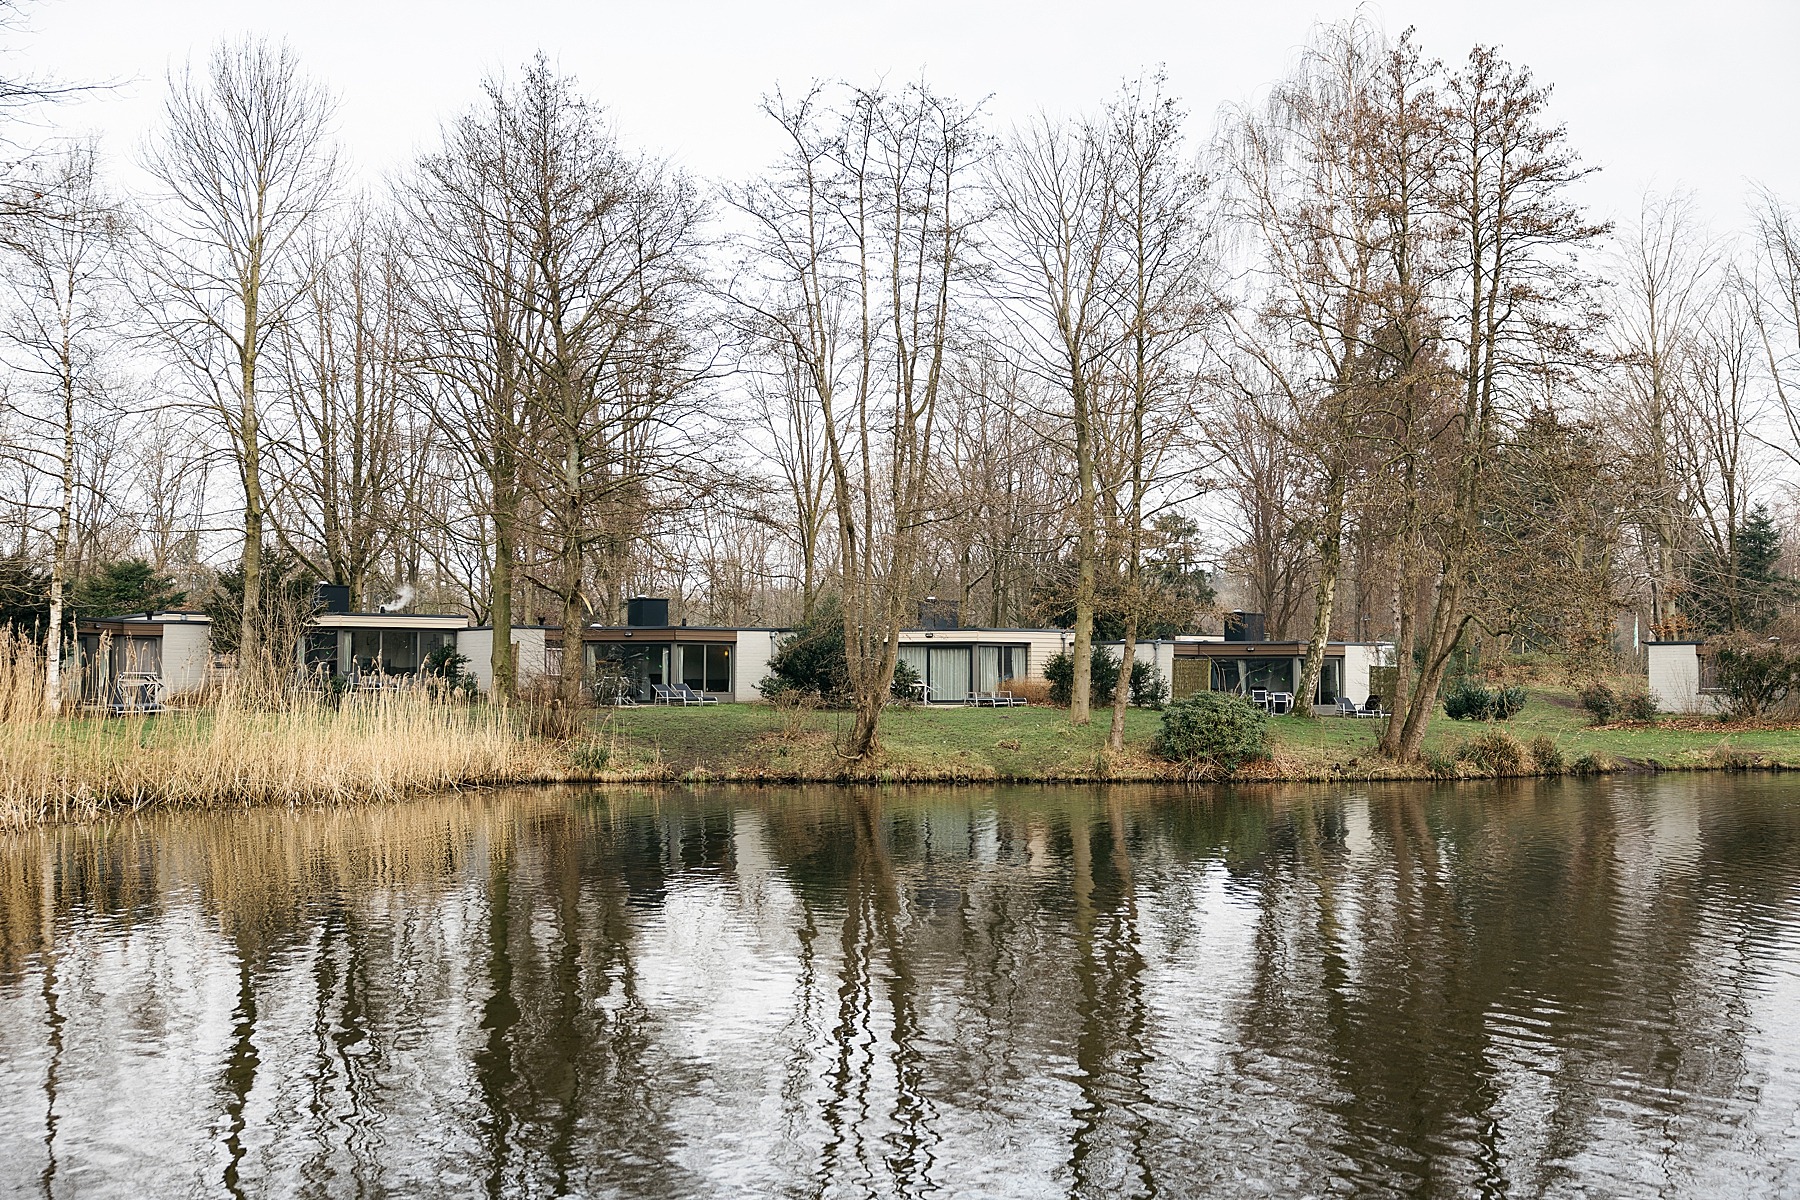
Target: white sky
pixel 1657 92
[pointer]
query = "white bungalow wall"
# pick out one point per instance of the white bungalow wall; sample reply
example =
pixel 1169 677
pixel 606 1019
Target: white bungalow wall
pixel 477 645
pixel 1160 653
pixel 186 649
pixel 1675 678
pixel 1357 661
pixel 754 649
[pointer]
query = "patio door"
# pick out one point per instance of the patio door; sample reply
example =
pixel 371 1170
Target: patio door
pixel 949 676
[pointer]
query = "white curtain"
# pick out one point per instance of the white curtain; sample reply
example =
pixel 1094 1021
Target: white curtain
pixel 950 674
pixel 987 674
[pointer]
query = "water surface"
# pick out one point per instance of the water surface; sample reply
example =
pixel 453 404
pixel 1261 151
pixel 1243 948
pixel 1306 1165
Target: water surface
pixel 1542 988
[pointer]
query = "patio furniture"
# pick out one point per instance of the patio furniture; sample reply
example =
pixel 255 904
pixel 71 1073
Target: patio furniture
pixel 690 696
pixel 137 692
pixel 1346 707
pixel 1005 699
pixel 615 693
pixel 663 694
pixel 1281 703
pixel 1372 708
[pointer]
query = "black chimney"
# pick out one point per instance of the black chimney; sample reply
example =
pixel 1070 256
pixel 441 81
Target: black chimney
pixel 1245 627
pixel 333 598
pixel 939 614
pixel 647 611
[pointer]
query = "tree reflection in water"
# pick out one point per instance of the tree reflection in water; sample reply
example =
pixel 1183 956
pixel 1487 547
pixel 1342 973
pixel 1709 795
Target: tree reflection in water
pixel 1533 987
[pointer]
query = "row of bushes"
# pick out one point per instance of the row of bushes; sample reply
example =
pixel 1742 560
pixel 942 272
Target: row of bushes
pixel 1468 700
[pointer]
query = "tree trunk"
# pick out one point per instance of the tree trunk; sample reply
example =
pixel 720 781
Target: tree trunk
pixel 59 563
pixel 500 596
pixel 1085 550
pixel 1331 561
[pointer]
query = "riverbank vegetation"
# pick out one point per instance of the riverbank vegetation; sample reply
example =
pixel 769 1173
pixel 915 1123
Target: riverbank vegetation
pixel 1552 734
pixel 249 745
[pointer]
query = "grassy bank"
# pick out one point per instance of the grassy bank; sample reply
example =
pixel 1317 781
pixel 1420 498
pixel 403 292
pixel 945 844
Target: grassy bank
pixel 292 750
pixel 754 742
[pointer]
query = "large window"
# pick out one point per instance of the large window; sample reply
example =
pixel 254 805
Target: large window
pixel 1246 675
pixel 706 668
pixel 389 651
pixel 952 672
pixel 638 668
pixel 322 652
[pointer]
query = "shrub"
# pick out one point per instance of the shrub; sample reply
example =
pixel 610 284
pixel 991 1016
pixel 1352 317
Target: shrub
pixel 1754 676
pixel 1592 763
pixel 1439 764
pixel 1148 687
pixel 905 687
pixel 1601 702
pixel 1495 752
pixel 1031 691
pixel 1210 729
pixel 448 672
pixel 1103 677
pixel 1547 755
pixel 1729 758
pixel 1468 700
pixel 1637 704
pixel 811 660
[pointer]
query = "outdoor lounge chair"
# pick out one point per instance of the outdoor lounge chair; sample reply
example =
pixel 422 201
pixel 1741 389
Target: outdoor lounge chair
pixel 1281 703
pixel 1346 707
pixel 1372 708
pixel 1007 700
pixel 663 694
pixel 690 696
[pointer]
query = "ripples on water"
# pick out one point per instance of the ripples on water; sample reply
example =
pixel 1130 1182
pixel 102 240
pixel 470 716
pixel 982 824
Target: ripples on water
pixel 1540 989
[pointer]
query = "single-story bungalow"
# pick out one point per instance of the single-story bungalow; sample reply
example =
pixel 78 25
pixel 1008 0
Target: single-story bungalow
pixel 157 655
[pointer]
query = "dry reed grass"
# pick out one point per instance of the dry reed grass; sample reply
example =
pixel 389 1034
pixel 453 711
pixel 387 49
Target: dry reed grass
pixel 258 743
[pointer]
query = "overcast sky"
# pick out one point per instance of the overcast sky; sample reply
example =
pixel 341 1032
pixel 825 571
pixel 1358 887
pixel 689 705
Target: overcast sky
pixel 1658 93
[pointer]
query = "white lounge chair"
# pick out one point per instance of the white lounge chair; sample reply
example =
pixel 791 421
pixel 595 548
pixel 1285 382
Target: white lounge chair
pixel 690 696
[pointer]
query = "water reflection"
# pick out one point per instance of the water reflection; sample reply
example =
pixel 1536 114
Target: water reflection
pixel 1537 988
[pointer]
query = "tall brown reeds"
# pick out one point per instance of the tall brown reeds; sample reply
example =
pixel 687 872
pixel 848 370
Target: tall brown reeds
pixel 260 741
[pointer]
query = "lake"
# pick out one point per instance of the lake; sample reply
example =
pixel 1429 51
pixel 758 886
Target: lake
pixel 1568 987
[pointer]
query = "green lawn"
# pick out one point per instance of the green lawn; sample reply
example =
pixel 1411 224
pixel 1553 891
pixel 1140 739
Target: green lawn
pixel 754 741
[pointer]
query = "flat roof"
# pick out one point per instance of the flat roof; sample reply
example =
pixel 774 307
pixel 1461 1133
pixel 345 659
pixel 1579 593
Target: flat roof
pixel 366 620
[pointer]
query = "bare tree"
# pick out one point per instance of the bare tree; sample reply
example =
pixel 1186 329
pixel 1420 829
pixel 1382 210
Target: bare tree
pixel 1667 270
pixel 1167 303
pixel 344 468
pixel 1304 172
pixel 60 321
pixel 1054 265
pixel 247 164
pixel 467 278
pixel 1516 314
pixel 860 237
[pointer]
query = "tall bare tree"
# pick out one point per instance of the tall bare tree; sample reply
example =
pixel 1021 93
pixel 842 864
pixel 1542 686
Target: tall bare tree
pixel 344 466
pixel 1054 265
pixel 1516 318
pixel 61 322
pixel 1666 270
pixel 860 237
pixel 247 165
pixel 1166 252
